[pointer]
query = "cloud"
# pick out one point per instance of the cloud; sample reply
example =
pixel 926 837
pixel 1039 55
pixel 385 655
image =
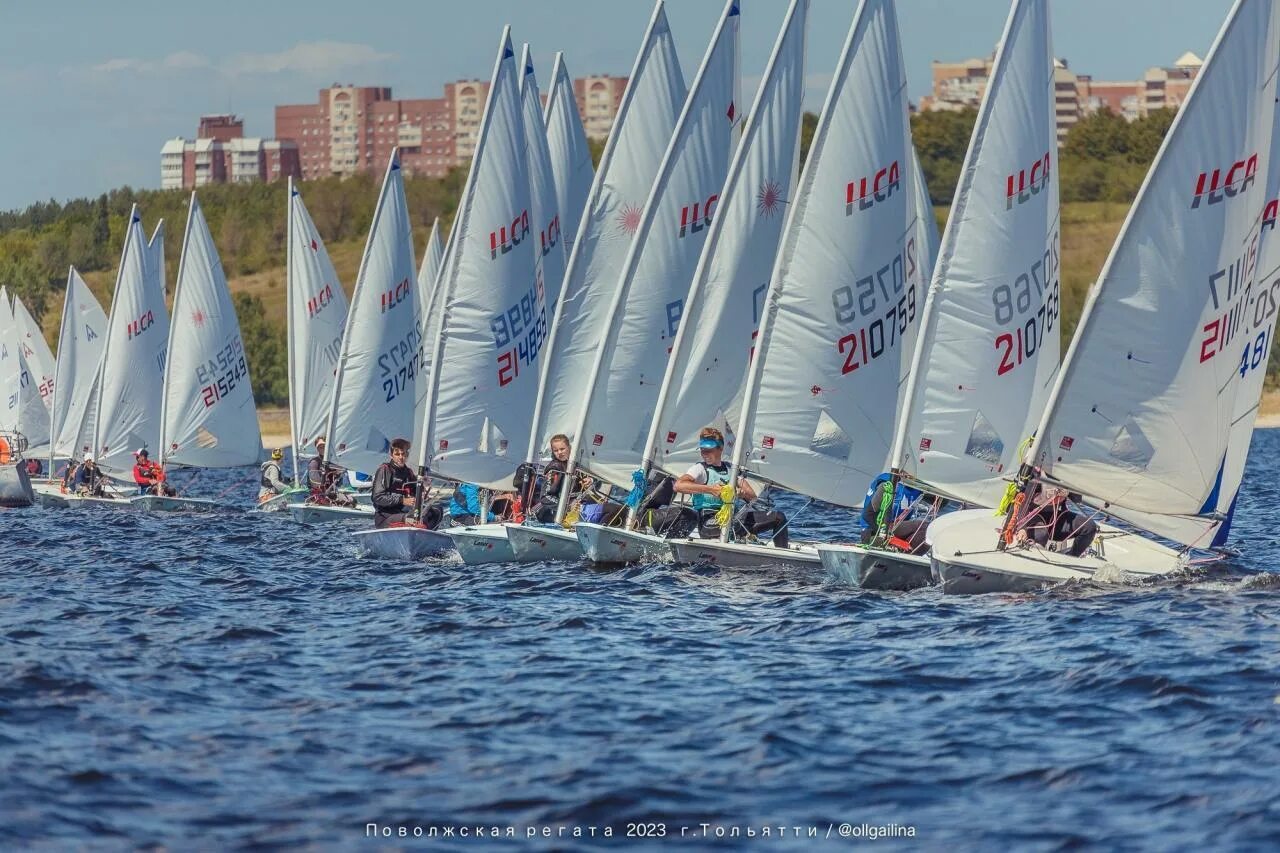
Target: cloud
pixel 315 57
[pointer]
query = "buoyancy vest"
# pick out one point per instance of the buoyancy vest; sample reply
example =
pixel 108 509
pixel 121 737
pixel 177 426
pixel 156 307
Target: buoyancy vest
pixel 716 476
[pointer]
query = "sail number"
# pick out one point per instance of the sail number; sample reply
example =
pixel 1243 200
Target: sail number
pixel 868 343
pixel 400 364
pixel 220 375
pixel 1017 347
pixel 883 287
pixel 524 324
pixel 1018 297
pixel 1237 291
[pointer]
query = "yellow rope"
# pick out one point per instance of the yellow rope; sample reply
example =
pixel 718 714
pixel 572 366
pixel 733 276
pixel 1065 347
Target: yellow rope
pixel 726 505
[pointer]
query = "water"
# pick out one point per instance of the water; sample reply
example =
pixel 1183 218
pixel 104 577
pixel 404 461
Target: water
pixel 244 681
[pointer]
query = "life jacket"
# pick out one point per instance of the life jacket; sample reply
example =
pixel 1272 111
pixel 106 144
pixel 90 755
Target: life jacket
pixel 265 480
pixel 903 498
pixel 715 477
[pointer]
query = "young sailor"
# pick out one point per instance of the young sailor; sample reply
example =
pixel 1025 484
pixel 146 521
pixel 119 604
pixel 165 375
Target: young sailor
pixel 323 479
pixel 393 487
pixel 1052 521
pixel 544 510
pixel 89 479
pixel 904 534
pixel 706 480
pixel 150 476
pixel 272 483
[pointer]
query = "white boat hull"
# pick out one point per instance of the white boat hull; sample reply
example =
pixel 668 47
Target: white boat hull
pixel 164 503
pixel 601 544
pixel 965 560
pixel 741 555
pixel 281 502
pixel 531 542
pixel 482 543
pixel 320 514
pixel 872 568
pixel 402 543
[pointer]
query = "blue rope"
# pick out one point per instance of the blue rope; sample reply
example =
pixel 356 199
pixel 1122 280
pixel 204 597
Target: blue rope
pixel 636 495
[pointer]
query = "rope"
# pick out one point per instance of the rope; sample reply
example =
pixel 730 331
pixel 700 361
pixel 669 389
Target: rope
pixel 636 495
pixel 725 513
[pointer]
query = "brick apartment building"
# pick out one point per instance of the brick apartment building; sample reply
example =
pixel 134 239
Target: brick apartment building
pixel 958 85
pixel 598 101
pixel 221 153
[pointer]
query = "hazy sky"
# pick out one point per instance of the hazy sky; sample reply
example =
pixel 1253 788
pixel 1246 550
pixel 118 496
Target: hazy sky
pixel 92 89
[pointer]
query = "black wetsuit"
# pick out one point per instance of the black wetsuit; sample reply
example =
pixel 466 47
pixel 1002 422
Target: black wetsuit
pixel 1055 523
pixel 391 484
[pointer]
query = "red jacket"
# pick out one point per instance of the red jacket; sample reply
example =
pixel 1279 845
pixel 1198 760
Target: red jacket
pixel 146 472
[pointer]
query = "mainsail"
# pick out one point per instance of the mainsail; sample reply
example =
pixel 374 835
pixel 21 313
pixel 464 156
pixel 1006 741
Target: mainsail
pixel 544 206
pixel 990 342
pixel 80 344
pixel 1142 416
pixel 317 311
pixel 570 154
pixel 641 131
pixel 131 377
pixel 641 323
pixel 492 321
pixel 35 349
pixel 713 346
pixel 208 418
pixel 376 387
pixel 843 304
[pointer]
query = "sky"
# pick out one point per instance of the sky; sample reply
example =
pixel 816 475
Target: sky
pixel 92 90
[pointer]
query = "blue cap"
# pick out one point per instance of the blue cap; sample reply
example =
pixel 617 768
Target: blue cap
pixel 710 444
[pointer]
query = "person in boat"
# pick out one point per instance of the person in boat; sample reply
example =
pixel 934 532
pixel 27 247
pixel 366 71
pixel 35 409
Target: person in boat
pixel 272 483
pixel 89 479
pixel 69 475
pixel 543 509
pixel 705 482
pixel 324 478
pixel 659 512
pixel 34 467
pixel 394 488
pixel 1052 521
pixel 465 506
pixel 150 476
pixel 904 534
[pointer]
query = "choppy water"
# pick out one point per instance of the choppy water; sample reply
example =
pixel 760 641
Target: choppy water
pixel 240 681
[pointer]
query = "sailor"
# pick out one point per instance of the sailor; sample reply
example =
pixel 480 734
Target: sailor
pixel 1052 521
pixel 706 480
pixel 271 482
pixel 323 479
pixel 394 487
pixel 69 475
pixel 658 512
pixel 149 476
pixel 89 479
pixel 905 534
pixel 544 510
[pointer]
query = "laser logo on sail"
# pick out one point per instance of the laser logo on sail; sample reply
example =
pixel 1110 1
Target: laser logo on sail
pixel 393 297
pixel 140 325
pixel 321 300
pixel 866 191
pixel 697 217
pixel 507 237
pixel 1218 186
pixel 1020 188
pixel 550 236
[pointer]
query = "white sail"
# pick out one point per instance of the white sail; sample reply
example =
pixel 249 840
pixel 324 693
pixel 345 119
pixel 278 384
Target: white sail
pixel 36 352
pixel 155 249
pixel 570 154
pixel 641 323
pixel 6 307
pixel 376 387
pixel 990 344
pixel 493 319
pixel 1141 417
pixel 927 237
pixel 844 301
pixel 208 416
pixel 317 312
pixel 80 344
pixel 712 350
pixel 21 410
pixel 432 259
pixel 641 131
pixel 544 205
pixel 132 374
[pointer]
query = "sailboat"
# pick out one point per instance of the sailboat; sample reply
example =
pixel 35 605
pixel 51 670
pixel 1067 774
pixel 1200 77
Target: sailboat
pixel 841 311
pixel 24 419
pixel 316 307
pixel 632 154
pixel 207 416
pixel 80 342
pixel 41 366
pixel 480 394
pixel 988 348
pixel 1150 417
pixel 131 376
pixel 706 371
pixel 645 309
pixel 495 542
pixel 570 154
pixel 377 383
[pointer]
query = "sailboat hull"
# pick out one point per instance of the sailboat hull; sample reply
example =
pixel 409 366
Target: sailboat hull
pixel 402 543
pixel 531 542
pixel 872 568
pixel 318 514
pixel 15 486
pixel 163 503
pixel 739 555
pixel 601 544
pixel 482 543
pixel 965 560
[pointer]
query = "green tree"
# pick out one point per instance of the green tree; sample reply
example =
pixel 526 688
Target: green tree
pixel 266 347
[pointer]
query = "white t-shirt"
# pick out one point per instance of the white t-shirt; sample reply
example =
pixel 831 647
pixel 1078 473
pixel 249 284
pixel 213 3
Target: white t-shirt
pixel 698 472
